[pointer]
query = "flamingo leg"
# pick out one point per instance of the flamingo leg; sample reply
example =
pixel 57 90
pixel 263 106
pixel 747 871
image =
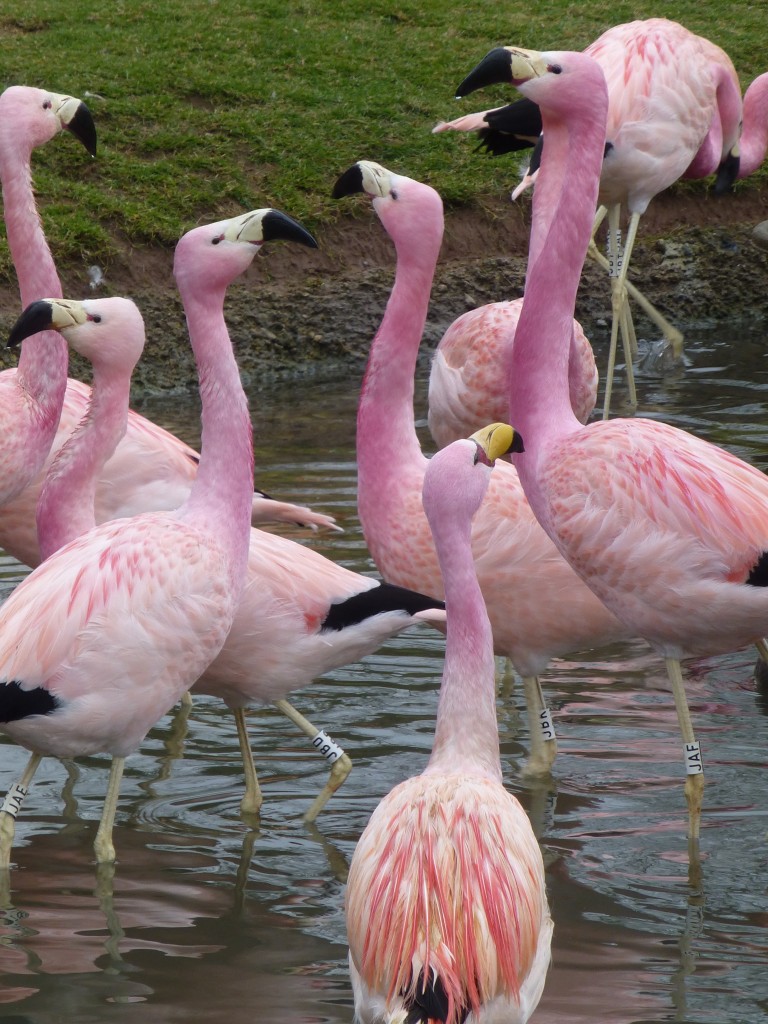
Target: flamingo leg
pixel 618 261
pixel 694 782
pixel 102 844
pixel 252 798
pixel 11 807
pixel 541 728
pixel 341 765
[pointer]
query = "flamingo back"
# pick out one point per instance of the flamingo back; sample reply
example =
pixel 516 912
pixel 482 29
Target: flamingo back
pixel 448 883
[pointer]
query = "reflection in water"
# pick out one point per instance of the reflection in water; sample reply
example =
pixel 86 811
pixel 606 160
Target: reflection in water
pixel 210 918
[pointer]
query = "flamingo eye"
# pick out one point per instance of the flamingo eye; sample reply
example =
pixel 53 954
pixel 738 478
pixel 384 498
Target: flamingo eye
pixel 96 318
pixel 217 239
pixel 555 69
pixel 47 105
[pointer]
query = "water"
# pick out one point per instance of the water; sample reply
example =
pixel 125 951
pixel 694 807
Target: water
pixel 213 919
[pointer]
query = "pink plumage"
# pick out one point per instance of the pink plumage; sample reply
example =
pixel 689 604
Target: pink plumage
pixel 108 633
pixel 152 469
pixel 670 531
pixel 447 915
pixel 525 582
pixel 467 382
pixel 674 109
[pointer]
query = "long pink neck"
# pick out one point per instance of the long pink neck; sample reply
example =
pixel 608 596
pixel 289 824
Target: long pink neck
pixel 754 137
pixel 222 493
pixel 42 367
pixel 65 508
pixel 466 731
pixel 565 196
pixel 387 442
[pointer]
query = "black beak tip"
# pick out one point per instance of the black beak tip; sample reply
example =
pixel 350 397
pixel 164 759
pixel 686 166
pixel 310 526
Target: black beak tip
pixel 349 183
pixel 493 69
pixel 37 317
pixel 279 225
pixel 83 127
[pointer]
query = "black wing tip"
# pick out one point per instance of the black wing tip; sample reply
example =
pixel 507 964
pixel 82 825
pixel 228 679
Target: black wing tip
pixel 386 597
pixel 17 703
pixel 349 183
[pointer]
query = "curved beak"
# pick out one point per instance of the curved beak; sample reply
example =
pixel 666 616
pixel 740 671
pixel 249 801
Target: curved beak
pixel 76 118
pixel 364 176
pixel 510 64
pixel 46 315
pixel 497 439
pixel 266 225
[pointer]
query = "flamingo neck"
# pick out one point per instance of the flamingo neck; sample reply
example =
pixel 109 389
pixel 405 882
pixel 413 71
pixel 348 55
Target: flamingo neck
pixel 386 429
pixel 754 136
pixel 65 508
pixel 42 367
pixel 466 731
pixel 563 212
pixel 222 494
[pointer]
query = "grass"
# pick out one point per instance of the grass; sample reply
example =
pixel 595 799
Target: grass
pixel 206 108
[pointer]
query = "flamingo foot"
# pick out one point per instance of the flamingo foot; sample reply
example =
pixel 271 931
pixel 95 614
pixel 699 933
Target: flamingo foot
pixel 339 772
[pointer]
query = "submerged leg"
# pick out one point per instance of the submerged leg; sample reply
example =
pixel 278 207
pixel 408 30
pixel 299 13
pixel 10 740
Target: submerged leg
pixel 541 729
pixel 11 806
pixel 102 844
pixel 252 798
pixel 341 765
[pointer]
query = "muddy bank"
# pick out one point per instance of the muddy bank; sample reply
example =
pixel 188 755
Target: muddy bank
pixel 301 312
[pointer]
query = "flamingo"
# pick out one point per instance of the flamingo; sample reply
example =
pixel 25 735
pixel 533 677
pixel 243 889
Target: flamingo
pixel 674 106
pixel 538 606
pixel 671 532
pixel 39 407
pixel 447 914
pixel 106 635
pixel 753 140
pixel 467 385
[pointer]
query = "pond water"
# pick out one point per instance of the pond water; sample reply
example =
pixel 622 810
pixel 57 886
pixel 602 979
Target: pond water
pixel 209 918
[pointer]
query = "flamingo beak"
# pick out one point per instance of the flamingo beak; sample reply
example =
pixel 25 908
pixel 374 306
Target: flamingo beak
pixel 497 439
pixel 266 225
pixel 76 118
pixel 505 64
pixel 46 315
pixel 364 176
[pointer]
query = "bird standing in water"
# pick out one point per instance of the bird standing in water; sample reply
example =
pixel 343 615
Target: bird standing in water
pixel 447 914
pixel 671 532
pixel 107 634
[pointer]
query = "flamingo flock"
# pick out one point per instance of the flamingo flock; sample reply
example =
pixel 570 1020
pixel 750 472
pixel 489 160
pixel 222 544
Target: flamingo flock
pixel 151 577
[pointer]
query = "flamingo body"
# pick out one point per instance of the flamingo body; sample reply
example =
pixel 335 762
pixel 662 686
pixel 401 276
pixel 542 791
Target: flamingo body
pixel 447 916
pixel 467 383
pixel 104 593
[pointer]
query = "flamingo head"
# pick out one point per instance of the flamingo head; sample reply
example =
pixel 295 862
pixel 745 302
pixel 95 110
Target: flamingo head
pixel 408 209
pixel 558 80
pixel 108 330
pixel 458 475
pixel 34 116
pixel 215 254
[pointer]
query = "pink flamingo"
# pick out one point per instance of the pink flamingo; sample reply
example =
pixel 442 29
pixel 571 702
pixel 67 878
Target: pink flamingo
pixel 152 469
pixel 524 580
pixel 467 386
pixel 446 908
pixel 674 106
pixel 669 531
pixel 108 633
